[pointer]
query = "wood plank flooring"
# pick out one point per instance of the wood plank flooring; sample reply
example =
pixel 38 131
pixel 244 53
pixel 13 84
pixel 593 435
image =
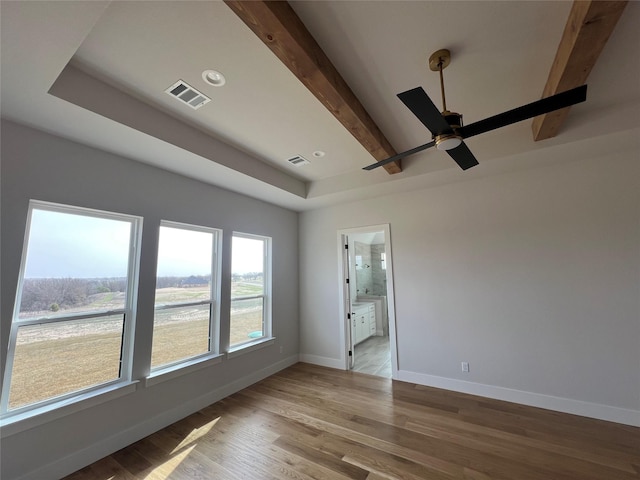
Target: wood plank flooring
pixel 310 422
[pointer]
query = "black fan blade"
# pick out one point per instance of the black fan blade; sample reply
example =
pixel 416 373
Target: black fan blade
pixel 399 156
pixel 422 107
pixel 463 156
pixel 546 105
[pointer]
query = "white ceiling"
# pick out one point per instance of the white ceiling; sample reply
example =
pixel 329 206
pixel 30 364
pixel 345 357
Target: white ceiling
pixel 95 72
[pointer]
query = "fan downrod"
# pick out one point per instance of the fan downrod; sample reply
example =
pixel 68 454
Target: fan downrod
pixel 438 61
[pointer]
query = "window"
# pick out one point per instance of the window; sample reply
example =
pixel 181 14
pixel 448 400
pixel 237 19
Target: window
pixel 185 324
pixel 250 289
pixel 72 325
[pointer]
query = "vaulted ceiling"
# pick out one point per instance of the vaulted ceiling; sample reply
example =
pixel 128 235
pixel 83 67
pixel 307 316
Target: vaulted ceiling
pixel 97 73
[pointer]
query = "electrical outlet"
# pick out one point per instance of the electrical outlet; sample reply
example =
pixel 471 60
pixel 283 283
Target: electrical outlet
pixel 281 349
pixel 465 367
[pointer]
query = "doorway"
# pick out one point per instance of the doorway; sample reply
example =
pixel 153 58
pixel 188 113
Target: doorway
pixel 367 300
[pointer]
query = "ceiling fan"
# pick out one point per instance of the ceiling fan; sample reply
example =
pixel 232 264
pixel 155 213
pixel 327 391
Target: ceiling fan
pixel 446 128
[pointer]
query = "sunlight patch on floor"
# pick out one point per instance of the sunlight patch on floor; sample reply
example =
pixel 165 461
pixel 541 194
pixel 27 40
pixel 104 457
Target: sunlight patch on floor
pixel 195 435
pixel 165 470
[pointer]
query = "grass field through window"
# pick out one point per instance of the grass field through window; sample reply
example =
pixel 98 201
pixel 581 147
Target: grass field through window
pixel 54 359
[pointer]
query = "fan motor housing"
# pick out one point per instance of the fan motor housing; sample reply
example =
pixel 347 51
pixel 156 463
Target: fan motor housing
pixel 453 119
pixel 449 139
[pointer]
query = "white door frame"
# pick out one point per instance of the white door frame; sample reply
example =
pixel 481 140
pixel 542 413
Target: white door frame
pixel 343 259
pixel 345 301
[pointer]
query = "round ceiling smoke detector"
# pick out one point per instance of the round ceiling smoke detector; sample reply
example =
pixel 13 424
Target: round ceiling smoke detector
pixel 318 154
pixel 214 78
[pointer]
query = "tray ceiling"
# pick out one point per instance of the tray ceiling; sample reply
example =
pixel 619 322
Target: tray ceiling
pixel 105 66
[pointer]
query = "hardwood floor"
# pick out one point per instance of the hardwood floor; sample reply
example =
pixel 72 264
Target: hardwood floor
pixel 310 422
pixel 373 356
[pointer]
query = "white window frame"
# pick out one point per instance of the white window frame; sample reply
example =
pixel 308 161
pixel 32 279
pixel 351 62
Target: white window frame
pixel 128 313
pixel 267 337
pixel 168 370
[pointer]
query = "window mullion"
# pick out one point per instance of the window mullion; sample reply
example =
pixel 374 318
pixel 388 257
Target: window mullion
pixel 247 297
pixel 4 399
pixel 213 295
pixel 67 318
pixel 129 320
pixel 178 305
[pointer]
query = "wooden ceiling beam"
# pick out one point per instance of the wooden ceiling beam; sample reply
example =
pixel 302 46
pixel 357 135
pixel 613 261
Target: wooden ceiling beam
pixel 278 26
pixel 586 32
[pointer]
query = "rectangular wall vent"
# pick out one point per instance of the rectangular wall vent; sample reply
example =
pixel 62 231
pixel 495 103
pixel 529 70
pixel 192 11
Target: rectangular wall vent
pixel 298 161
pixel 187 94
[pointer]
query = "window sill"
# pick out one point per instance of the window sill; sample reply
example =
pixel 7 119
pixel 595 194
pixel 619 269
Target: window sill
pixel 250 347
pixel 174 371
pixel 12 424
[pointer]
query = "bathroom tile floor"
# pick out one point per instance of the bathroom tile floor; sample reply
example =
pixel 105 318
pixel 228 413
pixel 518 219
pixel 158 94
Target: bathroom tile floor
pixel 373 356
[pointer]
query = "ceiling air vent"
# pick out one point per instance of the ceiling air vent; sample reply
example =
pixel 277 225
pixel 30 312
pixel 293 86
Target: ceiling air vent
pixel 298 161
pixel 187 94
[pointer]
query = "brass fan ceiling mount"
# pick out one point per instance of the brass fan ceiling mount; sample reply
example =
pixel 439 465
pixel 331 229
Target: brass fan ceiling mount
pixel 439 59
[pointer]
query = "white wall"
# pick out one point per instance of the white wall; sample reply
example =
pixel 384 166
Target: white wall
pixel 39 166
pixel 532 277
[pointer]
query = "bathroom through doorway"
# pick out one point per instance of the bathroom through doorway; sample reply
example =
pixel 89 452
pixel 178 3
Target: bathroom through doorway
pixel 367 287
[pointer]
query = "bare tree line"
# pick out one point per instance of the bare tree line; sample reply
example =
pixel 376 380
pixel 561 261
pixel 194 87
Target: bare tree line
pixel 250 276
pixel 56 293
pixel 53 294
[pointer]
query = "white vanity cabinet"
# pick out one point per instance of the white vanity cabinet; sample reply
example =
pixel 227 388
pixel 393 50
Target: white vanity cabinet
pixel 363 321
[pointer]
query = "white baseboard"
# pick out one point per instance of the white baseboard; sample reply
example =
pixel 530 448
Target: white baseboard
pixel 107 446
pixel 566 405
pixel 322 361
